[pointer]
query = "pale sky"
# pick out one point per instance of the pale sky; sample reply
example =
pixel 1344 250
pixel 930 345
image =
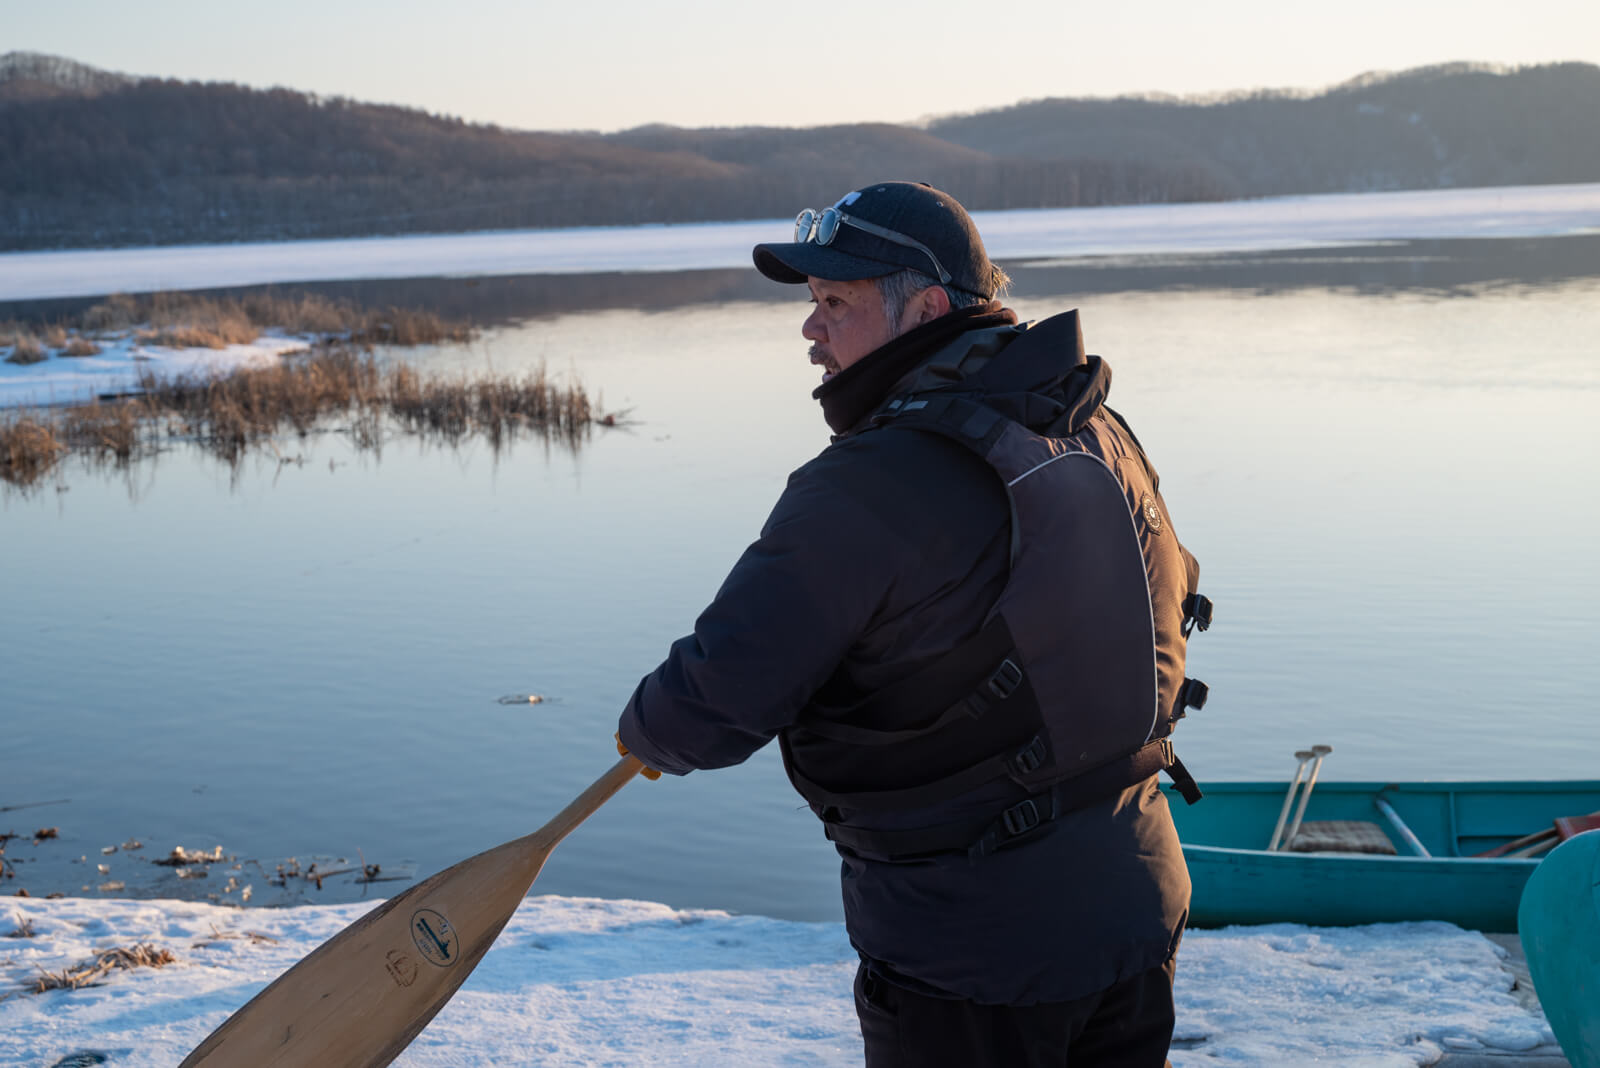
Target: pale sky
pixel 613 64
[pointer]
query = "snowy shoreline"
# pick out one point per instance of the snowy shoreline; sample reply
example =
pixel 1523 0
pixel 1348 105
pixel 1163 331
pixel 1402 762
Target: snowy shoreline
pixel 119 363
pixel 585 981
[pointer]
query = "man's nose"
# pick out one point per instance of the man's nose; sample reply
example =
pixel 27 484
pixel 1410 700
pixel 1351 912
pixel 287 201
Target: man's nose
pixel 812 329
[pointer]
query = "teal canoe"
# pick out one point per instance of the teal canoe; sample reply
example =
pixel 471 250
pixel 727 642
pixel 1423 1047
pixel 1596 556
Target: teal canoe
pixel 1237 880
pixel 1560 929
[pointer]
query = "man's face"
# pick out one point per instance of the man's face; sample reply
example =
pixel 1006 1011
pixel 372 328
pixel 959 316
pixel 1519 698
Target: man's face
pixel 847 322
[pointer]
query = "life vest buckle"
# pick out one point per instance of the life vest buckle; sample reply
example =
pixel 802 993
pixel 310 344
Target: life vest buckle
pixel 1005 680
pixel 1193 695
pixel 1197 609
pixel 1020 818
pixel 1030 757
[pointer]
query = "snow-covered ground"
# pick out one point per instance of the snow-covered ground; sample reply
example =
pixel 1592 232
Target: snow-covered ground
pixel 1011 236
pixel 582 981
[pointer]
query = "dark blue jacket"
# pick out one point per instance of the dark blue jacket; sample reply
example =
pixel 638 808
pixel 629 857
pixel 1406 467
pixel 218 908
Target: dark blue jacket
pixel 883 553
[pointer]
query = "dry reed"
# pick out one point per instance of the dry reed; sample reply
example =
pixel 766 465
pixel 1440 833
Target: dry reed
pixel 88 973
pixel 335 387
pixel 25 349
pixel 193 320
pixel 110 430
pixel 117 312
pixel 497 408
pixel 230 413
pixel 183 323
pixel 28 448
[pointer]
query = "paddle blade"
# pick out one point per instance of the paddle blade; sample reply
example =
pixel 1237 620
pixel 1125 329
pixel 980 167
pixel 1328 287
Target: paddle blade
pixel 358 1000
pixel 362 996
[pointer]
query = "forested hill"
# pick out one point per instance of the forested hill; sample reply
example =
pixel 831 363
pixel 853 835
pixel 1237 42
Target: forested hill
pixel 1455 125
pixel 90 158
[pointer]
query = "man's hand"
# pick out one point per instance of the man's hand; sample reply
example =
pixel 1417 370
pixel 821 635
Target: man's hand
pixel 649 773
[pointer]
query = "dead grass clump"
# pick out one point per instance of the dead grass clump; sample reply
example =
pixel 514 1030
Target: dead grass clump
pixel 117 312
pixel 23 929
pixel 28 448
pixel 401 326
pixel 26 349
pixel 229 414
pixel 90 972
pixel 104 430
pixel 497 408
pixel 535 401
pixel 78 345
pixel 55 335
pixel 190 319
pixel 430 406
pixel 307 313
pixel 183 322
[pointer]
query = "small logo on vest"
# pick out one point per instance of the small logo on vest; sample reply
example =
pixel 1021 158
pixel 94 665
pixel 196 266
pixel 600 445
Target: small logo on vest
pixel 434 937
pixel 1152 513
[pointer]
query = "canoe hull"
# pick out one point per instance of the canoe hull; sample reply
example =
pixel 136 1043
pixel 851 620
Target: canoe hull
pixel 1560 928
pixel 1238 882
pixel 1240 886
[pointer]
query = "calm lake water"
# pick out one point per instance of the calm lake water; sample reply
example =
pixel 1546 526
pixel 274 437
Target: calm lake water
pixel 1385 460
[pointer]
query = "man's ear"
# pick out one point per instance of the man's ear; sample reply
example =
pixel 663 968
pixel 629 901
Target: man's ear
pixel 927 305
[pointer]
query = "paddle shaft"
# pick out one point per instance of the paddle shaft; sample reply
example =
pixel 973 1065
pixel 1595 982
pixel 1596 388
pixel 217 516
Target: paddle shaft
pixel 1518 845
pixel 1302 755
pixel 358 1000
pixel 1318 753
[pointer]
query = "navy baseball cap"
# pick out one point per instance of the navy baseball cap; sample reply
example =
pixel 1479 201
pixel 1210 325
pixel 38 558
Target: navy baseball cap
pixel 878 230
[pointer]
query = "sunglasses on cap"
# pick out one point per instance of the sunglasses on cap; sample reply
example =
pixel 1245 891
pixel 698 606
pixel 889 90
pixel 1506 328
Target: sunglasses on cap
pixel 822 227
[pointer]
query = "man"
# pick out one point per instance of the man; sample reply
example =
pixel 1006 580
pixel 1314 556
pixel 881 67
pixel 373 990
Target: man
pixel 965 622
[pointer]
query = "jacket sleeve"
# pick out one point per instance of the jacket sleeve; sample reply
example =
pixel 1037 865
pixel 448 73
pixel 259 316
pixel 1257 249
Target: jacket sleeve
pixel 789 611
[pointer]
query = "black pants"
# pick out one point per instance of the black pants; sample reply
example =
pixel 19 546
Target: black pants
pixel 1127 1026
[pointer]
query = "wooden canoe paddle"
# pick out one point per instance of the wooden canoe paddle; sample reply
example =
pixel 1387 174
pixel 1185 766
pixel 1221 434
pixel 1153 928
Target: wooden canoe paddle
pixel 358 999
pixel 1559 831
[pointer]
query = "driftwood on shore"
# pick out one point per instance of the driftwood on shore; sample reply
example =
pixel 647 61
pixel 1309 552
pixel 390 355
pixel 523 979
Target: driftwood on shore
pixel 90 972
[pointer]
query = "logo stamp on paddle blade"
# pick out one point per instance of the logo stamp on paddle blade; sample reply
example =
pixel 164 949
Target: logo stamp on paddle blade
pixel 402 967
pixel 435 938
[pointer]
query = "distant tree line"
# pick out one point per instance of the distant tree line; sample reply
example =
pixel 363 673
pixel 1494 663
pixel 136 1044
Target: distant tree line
pixel 1438 127
pixel 88 161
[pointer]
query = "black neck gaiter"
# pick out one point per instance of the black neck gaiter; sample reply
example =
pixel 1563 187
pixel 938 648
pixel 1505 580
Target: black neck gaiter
pixel 849 396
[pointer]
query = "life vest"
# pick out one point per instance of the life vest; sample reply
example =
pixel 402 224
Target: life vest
pixel 1072 686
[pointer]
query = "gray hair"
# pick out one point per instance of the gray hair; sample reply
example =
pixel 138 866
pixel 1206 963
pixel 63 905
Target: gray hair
pixel 897 290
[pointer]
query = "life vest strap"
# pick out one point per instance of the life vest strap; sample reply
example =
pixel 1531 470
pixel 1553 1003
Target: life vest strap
pixel 983 669
pixel 1184 781
pixel 1011 763
pixel 982 836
